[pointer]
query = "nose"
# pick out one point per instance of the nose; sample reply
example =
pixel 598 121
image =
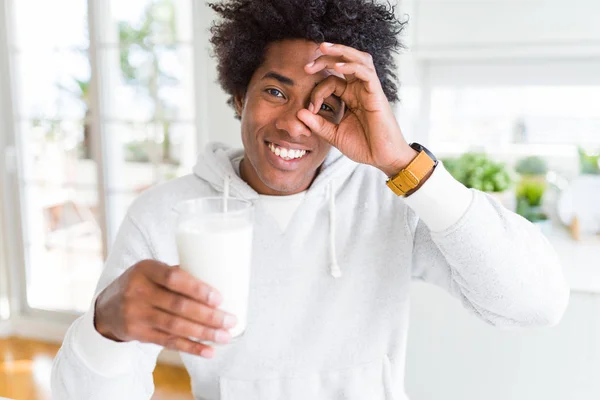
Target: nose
pixel 289 122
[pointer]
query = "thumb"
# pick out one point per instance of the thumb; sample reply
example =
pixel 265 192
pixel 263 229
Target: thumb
pixel 319 125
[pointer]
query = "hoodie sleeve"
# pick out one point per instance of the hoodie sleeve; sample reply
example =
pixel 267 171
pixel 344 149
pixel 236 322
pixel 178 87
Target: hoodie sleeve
pixel 498 264
pixel 90 366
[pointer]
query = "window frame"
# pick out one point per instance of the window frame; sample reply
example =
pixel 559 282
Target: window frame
pixel 501 72
pixel 13 262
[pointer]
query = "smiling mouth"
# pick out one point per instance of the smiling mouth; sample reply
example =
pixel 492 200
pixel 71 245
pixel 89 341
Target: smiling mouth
pixel 287 154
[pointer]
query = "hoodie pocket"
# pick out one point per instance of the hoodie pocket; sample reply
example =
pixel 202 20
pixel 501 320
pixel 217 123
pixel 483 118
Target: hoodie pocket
pixel 364 381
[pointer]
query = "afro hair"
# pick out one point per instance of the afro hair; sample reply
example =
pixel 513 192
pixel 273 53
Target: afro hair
pixel 247 27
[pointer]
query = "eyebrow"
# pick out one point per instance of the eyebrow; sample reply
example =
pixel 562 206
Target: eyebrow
pixel 284 80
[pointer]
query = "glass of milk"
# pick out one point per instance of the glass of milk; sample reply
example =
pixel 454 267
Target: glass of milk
pixel 214 242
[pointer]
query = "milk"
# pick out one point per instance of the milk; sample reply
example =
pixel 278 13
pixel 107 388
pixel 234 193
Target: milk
pixel 217 249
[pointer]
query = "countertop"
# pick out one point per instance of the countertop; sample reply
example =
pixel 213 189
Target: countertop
pixel 580 259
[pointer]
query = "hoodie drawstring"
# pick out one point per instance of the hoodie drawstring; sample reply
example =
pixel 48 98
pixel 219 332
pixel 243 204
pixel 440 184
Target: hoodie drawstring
pixel 226 181
pixel 334 268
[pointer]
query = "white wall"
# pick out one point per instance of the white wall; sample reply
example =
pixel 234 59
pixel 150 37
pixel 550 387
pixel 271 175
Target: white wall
pixel 454 355
pixel 216 118
pixel 523 28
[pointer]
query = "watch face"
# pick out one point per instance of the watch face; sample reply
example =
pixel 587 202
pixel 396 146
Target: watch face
pixel 421 148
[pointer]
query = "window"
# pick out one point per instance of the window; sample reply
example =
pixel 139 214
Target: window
pixel 513 109
pixel 499 115
pixel 75 187
pixel 147 114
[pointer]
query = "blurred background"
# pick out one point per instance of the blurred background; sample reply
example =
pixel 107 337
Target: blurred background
pixel 100 100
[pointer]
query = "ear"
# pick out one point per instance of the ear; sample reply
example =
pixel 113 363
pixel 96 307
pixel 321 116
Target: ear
pixel 238 103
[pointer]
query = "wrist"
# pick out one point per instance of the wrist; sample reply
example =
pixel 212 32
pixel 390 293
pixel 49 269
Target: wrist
pixel 101 328
pixel 404 158
pixel 412 171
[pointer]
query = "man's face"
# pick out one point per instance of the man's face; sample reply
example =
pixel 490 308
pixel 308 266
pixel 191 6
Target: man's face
pixel 278 89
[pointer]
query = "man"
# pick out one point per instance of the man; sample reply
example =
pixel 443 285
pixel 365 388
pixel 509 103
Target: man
pixel 312 83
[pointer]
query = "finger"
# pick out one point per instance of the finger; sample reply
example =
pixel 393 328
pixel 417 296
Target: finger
pixel 185 328
pixel 173 342
pixel 319 125
pixel 350 54
pixel 321 63
pixel 332 85
pixel 362 72
pixel 191 309
pixel 177 280
pixel 348 69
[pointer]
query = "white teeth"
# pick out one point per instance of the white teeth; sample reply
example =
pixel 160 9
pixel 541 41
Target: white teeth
pixel 287 154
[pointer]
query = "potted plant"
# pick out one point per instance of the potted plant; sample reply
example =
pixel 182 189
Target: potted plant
pixel 578 203
pixel 530 195
pixel 478 171
pixel 589 162
pixel 532 166
pixel 531 190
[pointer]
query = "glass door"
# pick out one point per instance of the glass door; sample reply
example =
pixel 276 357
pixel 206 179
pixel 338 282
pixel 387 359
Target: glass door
pixel 57 178
pixel 85 154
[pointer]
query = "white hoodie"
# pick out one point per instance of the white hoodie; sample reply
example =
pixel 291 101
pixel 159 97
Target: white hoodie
pixel 310 335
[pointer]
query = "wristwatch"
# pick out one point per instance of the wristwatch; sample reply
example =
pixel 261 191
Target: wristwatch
pixel 408 180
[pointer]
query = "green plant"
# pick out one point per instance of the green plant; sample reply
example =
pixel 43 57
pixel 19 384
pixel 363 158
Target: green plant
pixel 532 191
pixel 51 129
pixel 80 89
pixel 138 151
pixel 530 194
pixel 589 162
pixel 532 165
pixel 478 171
pixel 141 51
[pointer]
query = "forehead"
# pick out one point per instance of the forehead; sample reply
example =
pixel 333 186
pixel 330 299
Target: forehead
pixel 289 57
pixel 289 53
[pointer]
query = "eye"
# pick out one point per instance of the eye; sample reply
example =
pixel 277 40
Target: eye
pixel 275 92
pixel 325 107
